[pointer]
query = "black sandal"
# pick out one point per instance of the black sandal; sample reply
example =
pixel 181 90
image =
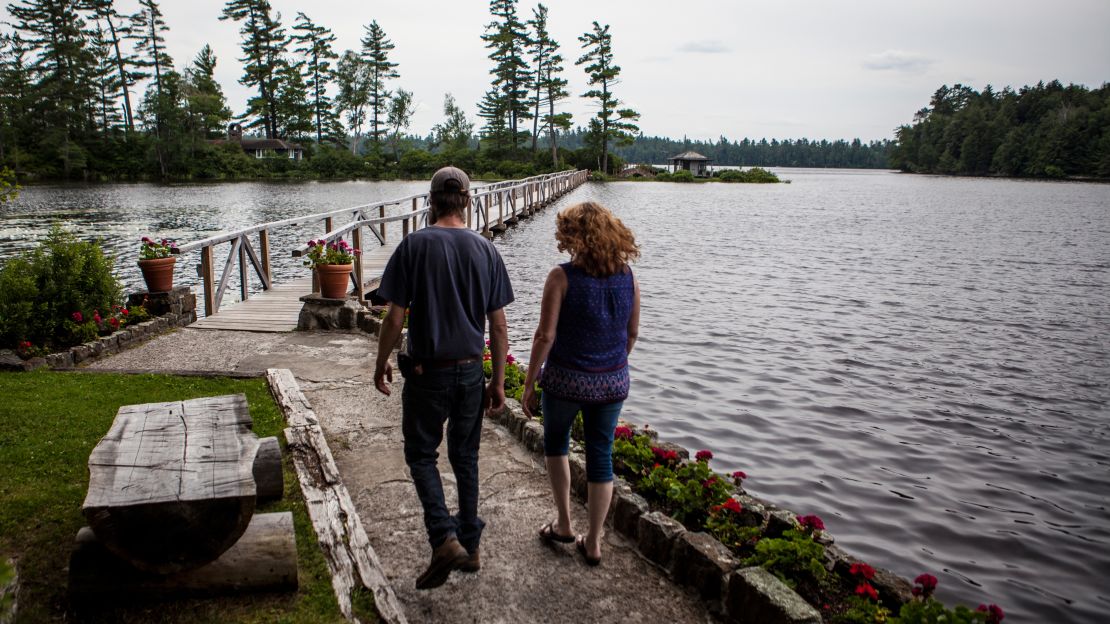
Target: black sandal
pixel 580 544
pixel 548 534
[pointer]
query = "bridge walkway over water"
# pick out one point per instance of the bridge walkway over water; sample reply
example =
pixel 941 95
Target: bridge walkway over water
pixel 276 308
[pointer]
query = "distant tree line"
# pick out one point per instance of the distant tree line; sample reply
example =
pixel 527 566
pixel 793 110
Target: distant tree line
pixel 70 106
pixel 762 153
pixel 1047 130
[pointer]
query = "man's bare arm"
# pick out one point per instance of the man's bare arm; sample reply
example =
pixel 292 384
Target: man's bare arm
pixel 387 337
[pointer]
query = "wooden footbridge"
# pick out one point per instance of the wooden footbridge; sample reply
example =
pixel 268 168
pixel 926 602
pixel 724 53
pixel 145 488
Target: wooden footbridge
pixel 494 208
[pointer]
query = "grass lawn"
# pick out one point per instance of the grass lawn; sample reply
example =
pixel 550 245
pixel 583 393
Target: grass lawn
pixel 49 423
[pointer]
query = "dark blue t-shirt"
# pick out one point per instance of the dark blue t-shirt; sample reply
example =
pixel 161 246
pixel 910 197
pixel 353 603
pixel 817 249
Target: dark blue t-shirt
pixel 449 279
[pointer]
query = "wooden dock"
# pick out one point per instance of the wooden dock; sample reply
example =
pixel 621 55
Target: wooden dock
pixel 277 309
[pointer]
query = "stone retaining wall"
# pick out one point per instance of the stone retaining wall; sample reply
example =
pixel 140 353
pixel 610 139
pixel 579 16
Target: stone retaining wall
pixel 697 560
pixel 173 309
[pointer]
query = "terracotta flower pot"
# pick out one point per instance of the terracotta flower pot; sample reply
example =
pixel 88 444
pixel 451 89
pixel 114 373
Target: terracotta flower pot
pixel 158 273
pixel 333 280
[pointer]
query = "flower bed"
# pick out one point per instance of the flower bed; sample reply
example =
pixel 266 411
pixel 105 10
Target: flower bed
pixel 750 559
pixel 145 316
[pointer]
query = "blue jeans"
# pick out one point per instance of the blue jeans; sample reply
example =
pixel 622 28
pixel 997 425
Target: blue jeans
pixel 598 423
pixel 452 395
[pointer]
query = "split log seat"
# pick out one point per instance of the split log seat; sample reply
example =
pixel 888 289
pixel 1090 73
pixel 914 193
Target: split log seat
pixel 172 486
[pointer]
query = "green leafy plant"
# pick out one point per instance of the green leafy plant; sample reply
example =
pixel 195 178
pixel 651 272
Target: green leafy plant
pixel 631 453
pixel 322 252
pixel 794 557
pixel 42 289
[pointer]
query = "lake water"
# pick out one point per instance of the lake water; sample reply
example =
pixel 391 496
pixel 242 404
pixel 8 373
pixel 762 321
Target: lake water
pixel 922 361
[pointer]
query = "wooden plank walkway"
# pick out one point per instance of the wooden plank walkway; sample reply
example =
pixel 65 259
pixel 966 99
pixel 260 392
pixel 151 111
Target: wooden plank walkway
pixel 277 309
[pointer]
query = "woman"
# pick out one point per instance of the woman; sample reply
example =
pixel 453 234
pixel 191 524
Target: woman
pixel 589 319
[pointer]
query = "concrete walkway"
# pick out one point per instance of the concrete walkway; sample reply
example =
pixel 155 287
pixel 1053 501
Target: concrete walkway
pixel 522 579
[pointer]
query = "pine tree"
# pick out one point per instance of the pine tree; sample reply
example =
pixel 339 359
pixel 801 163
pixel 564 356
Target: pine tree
pixel 616 124
pixel 262 45
pixel 61 65
pixel 375 54
pixel 315 47
pixel 207 106
pixel 550 87
pixel 106 79
pixel 506 38
pixel 117 28
pixel 293 101
pixel 147 27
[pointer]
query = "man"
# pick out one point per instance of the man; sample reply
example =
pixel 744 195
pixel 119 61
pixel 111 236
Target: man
pixel 451 280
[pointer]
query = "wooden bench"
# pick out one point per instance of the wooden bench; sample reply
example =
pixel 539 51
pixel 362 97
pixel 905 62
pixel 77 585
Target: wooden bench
pixel 173 486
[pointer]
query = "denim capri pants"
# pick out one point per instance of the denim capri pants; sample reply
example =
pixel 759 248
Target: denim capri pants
pixel 598 422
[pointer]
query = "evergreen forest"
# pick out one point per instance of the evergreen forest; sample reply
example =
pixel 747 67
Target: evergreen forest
pixel 1047 130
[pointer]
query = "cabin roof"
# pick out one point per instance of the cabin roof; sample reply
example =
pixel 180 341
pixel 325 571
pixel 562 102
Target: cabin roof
pixel 690 155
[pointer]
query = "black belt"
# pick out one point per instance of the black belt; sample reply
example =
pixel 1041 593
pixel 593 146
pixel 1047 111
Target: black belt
pixel 449 363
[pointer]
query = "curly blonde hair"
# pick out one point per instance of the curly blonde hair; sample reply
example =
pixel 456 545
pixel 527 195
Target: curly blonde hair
pixel 597 241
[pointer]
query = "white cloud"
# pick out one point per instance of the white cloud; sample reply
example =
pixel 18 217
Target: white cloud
pixel 898 60
pixel 704 47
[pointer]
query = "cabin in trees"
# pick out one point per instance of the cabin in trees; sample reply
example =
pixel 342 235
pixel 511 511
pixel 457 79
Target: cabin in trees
pixel 693 162
pixel 261 148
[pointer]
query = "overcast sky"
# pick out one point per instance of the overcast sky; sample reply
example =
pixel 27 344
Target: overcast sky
pixel 782 69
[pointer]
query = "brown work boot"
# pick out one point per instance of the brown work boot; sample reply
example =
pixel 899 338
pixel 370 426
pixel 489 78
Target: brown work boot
pixel 449 555
pixel 473 563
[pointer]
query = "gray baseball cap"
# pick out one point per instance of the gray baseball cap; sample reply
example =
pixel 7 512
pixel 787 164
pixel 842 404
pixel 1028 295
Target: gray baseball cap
pixel 442 178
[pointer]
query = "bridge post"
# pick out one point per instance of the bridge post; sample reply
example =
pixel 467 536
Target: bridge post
pixel 244 287
pixel 356 240
pixel 327 224
pixel 264 244
pixel 381 213
pixel 208 276
pixel 415 219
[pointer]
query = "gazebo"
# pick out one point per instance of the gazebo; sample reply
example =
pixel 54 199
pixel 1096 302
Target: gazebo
pixel 693 162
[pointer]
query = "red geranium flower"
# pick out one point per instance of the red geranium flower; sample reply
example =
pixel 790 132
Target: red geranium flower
pixel 994 613
pixel 862 569
pixel 96 317
pixel 811 523
pixel 732 505
pixel 77 317
pixel 622 433
pixel 704 455
pixel 125 312
pixel 739 476
pixel 664 457
pixel 509 359
pixel 114 322
pixel 924 585
pixel 866 590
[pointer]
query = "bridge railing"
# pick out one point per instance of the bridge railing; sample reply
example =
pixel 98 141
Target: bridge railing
pixel 509 201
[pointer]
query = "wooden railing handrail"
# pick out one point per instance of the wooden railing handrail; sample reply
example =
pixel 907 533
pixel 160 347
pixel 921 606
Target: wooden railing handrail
pixel 354 210
pixel 334 234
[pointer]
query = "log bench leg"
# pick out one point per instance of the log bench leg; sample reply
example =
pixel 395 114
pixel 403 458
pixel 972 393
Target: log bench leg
pixel 268 476
pixel 264 559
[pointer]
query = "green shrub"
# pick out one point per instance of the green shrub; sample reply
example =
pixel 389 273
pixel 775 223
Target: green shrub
pixel 61 281
pixel 8 188
pixel 682 175
pixel 755 175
